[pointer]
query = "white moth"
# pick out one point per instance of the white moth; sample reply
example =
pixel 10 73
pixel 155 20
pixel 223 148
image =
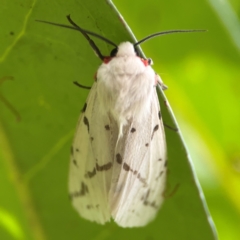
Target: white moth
pixel 118 160
pixel 117 166
pixel 118 156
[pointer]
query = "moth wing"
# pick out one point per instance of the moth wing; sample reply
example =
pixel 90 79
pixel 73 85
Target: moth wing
pixel 91 162
pixel 139 178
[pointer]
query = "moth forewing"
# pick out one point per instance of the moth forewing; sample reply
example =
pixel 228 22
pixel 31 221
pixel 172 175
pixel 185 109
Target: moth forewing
pixel 88 183
pixel 142 174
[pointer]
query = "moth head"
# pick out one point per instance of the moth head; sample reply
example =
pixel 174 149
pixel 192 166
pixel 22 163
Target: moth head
pixel 124 49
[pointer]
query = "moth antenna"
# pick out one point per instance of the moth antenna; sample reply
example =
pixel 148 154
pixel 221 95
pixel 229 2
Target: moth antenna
pixel 91 42
pixel 164 33
pixel 74 28
pixel 85 34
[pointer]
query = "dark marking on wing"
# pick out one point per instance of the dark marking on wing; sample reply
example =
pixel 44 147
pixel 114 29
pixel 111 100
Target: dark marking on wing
pixel 133 130
pixel 91 174
pixel 107 127
pixel 91 138
pixel 154 130
pixel 142 180
pixel 85 120
pixel 147 144
pixel 159 159
pixel 148 203
pixel 104 167
pixel 159 115
pixel 126 167
pixel 84 189
pixel 84 108
pixel 75 163
pixel 90 206
pixel 77 150
pixel 119 158
pixel 82 192
pixel 135 172
pixel 160 174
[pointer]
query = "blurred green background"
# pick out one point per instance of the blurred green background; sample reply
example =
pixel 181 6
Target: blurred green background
pixel 201 70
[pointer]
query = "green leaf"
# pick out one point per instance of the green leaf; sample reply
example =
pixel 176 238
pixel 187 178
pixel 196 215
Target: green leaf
pixel 39 108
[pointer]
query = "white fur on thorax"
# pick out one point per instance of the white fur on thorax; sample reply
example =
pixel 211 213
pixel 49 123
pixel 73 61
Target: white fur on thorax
pixel 125 85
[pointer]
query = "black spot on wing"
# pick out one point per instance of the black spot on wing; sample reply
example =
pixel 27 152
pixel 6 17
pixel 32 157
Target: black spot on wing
pixel 75 162
pixel 91 174
pixel 104 167
pixel 82 192
pixel 146 202
pixel 86 122
pixel 107 127
pixel 126 167
pixel 84 189
pixel 90 206
pixel 160 174
pixel 142 180
pixel 159 115
pixel 147 144
pixel 133 130
pixel 119 158
pixel 135 172
pixel 84 108
pixel 154 130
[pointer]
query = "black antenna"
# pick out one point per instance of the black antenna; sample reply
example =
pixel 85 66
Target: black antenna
pixel 85 34
pixel 164 33
pixel 91 42
pixel 77 29
pixel 94 46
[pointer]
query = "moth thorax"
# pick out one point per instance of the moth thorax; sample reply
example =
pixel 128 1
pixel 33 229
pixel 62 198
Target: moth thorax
pixel 126 49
